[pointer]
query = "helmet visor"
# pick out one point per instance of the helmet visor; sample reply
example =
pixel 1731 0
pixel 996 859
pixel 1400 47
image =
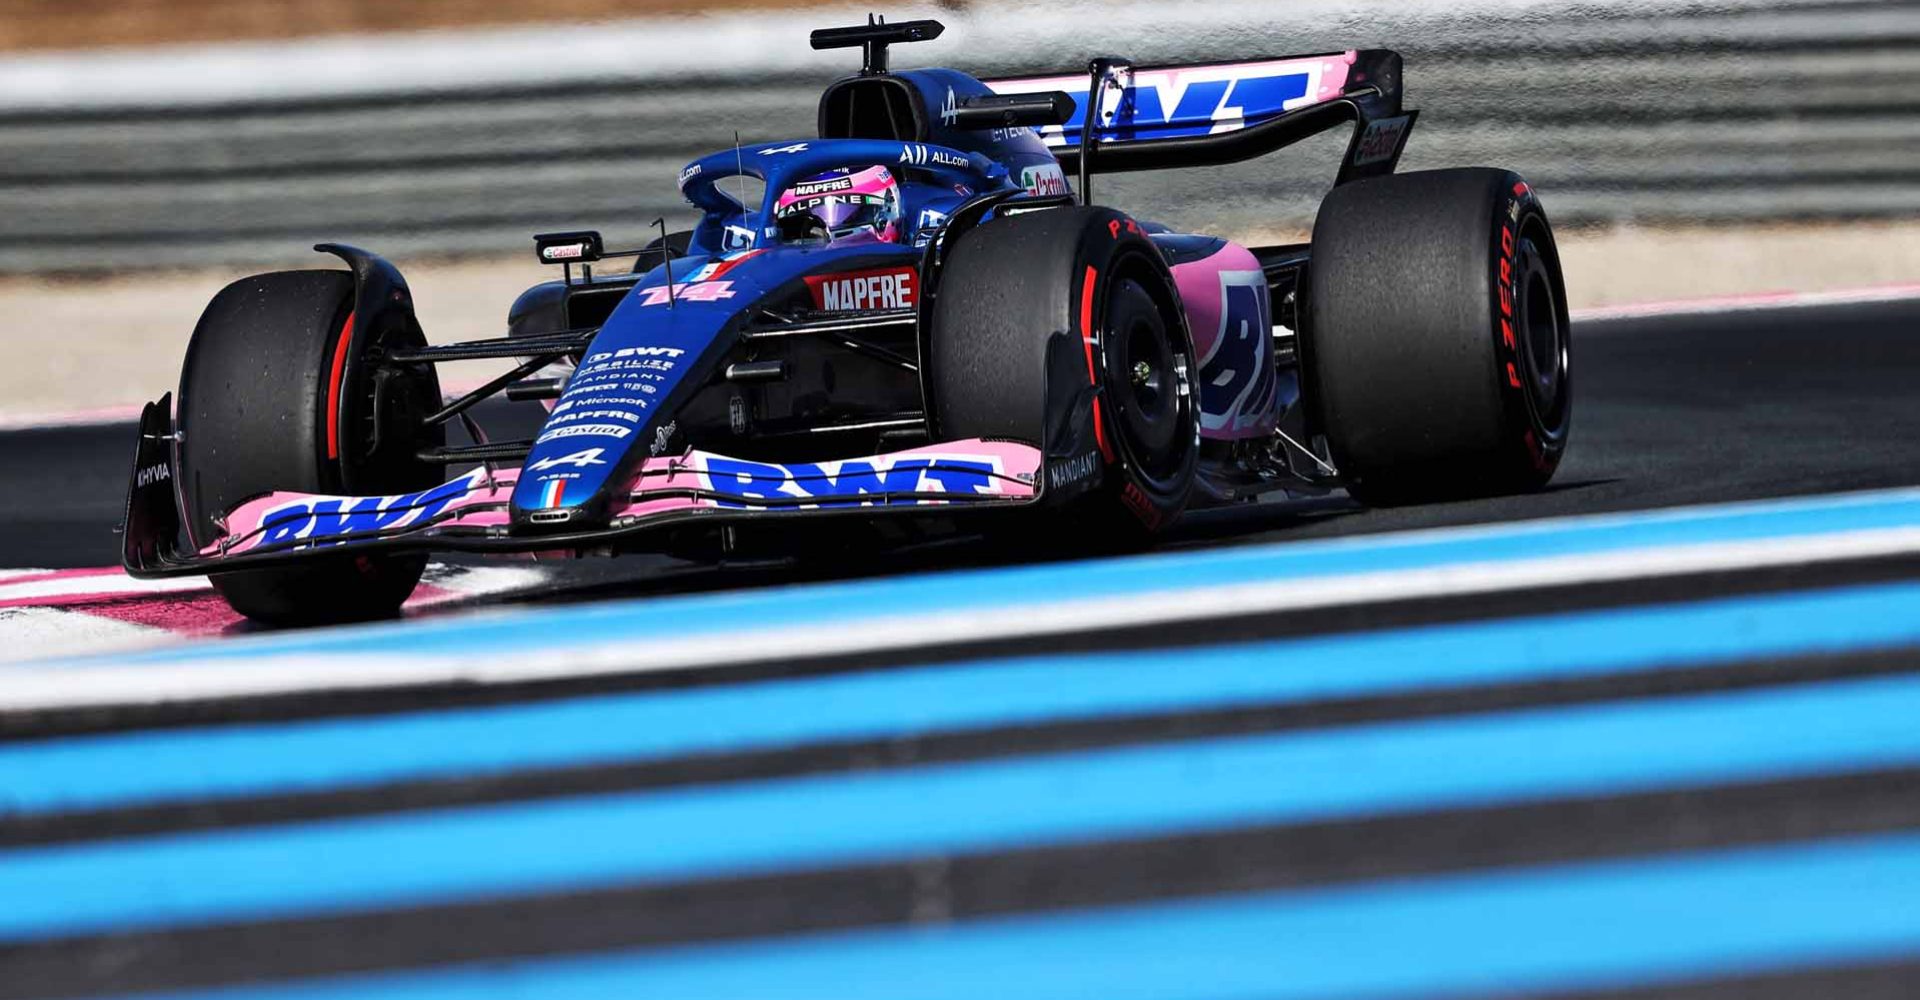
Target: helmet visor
pixel 842 213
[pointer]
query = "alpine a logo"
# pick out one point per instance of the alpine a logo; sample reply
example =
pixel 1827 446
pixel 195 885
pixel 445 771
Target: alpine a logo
pixel 861 291
pixel 578 460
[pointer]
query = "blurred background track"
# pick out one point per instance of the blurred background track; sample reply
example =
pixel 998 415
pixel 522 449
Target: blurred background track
pixel 1753 110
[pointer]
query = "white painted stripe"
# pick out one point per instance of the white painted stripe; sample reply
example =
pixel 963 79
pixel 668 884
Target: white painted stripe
pixel 109 584
pixel 467 582
pixel 461 581
pixel 101 417
pixel 31 633
pixel 1748 303
pixel 23 690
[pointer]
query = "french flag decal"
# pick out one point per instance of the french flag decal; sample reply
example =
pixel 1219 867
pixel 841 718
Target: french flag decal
pixel 550 493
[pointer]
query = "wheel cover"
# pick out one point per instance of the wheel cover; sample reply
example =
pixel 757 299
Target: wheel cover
pixel 1544 341
pixel 1147 381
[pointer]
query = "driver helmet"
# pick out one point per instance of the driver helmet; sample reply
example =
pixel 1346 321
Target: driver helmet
pixel 856 205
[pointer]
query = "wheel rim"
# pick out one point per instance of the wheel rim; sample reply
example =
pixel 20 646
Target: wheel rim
pixel 1543 349
pixel 1147 382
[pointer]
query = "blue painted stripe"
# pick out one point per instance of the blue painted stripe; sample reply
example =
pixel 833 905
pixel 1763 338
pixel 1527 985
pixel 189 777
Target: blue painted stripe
pixel 774 825
pixel 117 770
pixel 1589 926
pixel 501 634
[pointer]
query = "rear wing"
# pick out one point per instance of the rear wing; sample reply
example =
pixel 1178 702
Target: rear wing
pixel 1206 114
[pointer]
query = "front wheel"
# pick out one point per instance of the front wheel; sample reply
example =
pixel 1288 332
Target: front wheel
pixel 274 396
pixel 1436 347
pixel 1062 328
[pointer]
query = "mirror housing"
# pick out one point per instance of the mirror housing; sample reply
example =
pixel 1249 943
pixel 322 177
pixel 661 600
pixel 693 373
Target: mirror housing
pixel 1009 110
pixel 580 247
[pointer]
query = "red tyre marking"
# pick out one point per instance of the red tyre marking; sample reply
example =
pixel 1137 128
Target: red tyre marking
pixel 1141 507
pixel 335 386
pixel 1086 341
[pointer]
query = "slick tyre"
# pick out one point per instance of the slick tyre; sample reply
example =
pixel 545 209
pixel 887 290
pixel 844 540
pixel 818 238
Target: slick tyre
pixel 1436 346
pixel 1062 328
pixel 278 393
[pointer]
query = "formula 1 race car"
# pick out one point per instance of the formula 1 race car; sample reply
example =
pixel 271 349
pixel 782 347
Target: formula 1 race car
pixel 911 326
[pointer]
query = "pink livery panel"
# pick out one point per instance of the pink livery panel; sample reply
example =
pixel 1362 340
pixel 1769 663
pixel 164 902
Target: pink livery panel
pixel 1225 295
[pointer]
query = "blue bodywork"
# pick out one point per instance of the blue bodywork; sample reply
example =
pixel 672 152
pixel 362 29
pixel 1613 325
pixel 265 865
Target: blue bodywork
pixel 658 348
pixel 655 350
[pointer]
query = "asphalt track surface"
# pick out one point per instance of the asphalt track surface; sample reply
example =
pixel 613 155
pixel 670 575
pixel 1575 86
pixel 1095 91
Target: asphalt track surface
pixel 1669 411
pixel 1698 783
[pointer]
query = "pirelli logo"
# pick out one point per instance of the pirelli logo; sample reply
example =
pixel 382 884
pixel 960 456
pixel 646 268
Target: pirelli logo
pixel 865 291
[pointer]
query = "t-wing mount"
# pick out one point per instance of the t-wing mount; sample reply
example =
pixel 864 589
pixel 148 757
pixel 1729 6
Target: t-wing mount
pixel 874 37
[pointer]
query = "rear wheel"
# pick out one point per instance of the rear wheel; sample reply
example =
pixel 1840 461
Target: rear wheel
pixel 1062 328
pixel 1436 344
pixel 278 393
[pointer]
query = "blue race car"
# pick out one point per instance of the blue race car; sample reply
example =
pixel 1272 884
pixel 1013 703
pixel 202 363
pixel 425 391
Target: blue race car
pixel 911 325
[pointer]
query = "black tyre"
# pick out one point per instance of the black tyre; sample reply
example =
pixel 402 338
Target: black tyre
pixel 277 394
pixel 1045 317
pixel 1436 345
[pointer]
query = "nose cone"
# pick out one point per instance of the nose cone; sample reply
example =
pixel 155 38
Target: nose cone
pixel 624 390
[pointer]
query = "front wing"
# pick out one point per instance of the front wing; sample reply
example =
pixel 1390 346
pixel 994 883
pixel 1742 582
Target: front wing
pixel 470 513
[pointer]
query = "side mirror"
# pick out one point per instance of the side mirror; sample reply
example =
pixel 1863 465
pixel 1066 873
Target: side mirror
pixel 568 248
pixel 1008 110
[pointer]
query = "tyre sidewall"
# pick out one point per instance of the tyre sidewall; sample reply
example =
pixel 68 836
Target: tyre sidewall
pixel 1536 427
